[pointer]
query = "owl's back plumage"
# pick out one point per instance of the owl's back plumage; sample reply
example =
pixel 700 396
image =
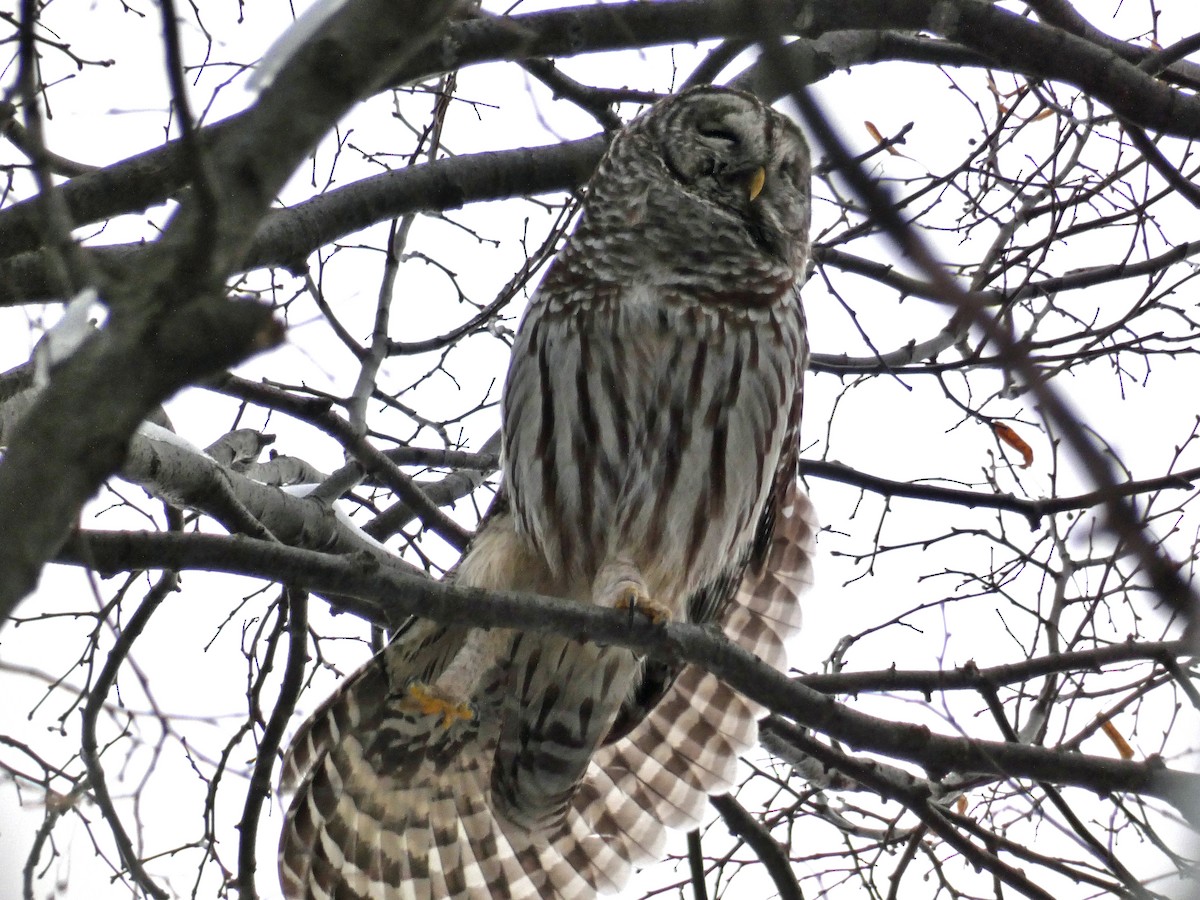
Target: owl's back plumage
pixel 651 418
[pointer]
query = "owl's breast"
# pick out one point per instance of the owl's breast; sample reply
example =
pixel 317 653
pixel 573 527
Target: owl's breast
pixel 647 428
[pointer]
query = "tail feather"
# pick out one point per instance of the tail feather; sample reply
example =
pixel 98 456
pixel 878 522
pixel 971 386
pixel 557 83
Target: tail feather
pixel 545 744
pixel 516 883
pixel 720 710
pixel 461 815
pixel 771 593
pixel 688 746
pixel 618 816
pixel 393 805
pixel 493 855
pixel 342 712
pixel 659 779
pixel 401 861
pixel 563 880
pixel 434 840
pixel 606 862
pixel 758 635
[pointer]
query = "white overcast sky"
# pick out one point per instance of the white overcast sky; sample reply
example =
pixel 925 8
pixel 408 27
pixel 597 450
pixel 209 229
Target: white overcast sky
pixel 102 117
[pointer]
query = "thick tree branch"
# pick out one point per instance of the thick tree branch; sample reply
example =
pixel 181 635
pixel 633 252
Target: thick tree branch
pixel 171 323
pixel 1020 45
pixel 1062 14
pixel 388 596
pixel 773 855
pixel 842 34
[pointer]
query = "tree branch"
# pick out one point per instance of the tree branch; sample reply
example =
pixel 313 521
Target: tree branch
pixel 89 750
pixel 387 595
pixel 259 789
pixel 841 34
pixel 971 677
pixel 1163 575
pixel 773 855
pixel 1033 510
pixel 170 321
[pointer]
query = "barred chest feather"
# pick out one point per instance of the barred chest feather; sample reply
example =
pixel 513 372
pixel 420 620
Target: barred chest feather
pixel 644 424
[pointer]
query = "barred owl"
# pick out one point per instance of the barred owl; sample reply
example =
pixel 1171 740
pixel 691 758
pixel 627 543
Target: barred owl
pixel 651 415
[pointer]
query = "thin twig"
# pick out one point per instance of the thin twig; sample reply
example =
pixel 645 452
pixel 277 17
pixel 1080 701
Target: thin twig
pixel 268 748
pixel 167 583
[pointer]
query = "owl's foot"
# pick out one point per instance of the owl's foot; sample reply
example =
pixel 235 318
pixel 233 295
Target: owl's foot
pixel 425 700
pixel 620 586
pixel 656 612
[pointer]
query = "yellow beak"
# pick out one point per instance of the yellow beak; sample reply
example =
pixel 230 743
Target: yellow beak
pixel 757 180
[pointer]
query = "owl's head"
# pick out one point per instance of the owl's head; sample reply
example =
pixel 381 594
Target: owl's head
pixel 725 157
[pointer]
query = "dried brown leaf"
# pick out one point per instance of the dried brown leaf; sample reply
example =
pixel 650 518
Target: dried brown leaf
pixel 1014 440
pixel 1118 740
pixel 879 138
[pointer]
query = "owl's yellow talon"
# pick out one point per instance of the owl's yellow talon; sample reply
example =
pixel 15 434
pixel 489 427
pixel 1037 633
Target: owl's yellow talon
pixel 635 601
pixel 424 700
pixel 619 585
